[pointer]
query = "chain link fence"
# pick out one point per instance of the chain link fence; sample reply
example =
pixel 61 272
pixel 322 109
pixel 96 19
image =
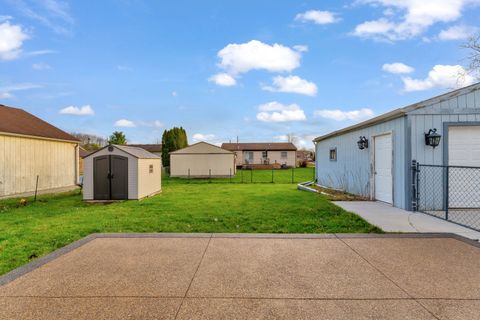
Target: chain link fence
pixel 448 192
pixel 250 175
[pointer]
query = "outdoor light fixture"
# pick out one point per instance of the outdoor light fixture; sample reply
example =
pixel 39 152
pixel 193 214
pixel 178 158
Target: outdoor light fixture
pixel 432 138
pixel 362 143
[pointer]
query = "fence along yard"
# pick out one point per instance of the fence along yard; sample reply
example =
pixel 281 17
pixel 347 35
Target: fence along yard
pixel 282 176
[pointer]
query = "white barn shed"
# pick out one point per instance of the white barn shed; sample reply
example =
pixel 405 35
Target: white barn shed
pixel 202 160
pixel 118 172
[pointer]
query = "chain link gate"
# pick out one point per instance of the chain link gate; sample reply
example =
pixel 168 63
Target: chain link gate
pixel 447 192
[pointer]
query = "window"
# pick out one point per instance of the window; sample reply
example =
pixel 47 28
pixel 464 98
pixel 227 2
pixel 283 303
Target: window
pixel 150 168
pixel 264 154
pixel 284 154
pixel 249 157
pixel 333 154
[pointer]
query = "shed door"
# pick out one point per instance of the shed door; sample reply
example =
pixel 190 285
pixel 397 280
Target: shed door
pixel 383 168
pixel 464 150
pixel 101 181
pixel 119 177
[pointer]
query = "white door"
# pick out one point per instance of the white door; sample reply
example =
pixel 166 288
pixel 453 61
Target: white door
pixel 383 168
pixel 464 150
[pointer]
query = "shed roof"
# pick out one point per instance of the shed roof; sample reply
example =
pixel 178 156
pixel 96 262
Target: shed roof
pixel 260 146
pixel 201 148
pixel 156 147
pixel 400 111
pixel 18 121
pixel 138 153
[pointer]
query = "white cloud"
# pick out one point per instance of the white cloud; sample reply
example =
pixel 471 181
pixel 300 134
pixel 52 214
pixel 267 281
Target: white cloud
pixel 459 32
pixel 397 68
pixel 85 110
pixel 6 92
pixel 301 48
pixel 11 40
pixel 122 67
pixel 293 84
pixel 317 17
pixel 174 93
pixel 340 115
pixel 41 66
pixel 441 76
pixel 255 55
pixel 277 112
pixel 405 19
pixel 203 137
pixel 223 79
pixel 124 123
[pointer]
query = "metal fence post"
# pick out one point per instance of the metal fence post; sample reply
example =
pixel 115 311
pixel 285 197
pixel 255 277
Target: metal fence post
pixel 188 173
pixel 272 174
pixel 446 193
pixel 230 175
pixel 293 170
pixel 241 170
pixel 414 185
pixel 209 175
pixel 251 176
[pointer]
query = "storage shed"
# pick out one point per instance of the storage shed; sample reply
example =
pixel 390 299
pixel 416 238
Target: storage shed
pixel 374 158
pixel 118 172
pixel 35 155
pixel 202 160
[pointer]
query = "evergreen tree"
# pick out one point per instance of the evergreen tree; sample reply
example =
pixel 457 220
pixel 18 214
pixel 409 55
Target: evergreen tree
pixel 117 137
pixel 172 140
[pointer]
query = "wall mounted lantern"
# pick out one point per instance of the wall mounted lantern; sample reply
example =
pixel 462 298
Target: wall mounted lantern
pixel 362 143
pixel 432 138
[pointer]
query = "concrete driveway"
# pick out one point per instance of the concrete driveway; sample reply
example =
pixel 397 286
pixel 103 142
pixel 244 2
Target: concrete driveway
pixel 218 276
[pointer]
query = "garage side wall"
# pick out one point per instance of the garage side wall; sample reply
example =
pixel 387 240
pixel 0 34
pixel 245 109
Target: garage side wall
pixel 352 171
pixel 149 177
pixel 22 159
pixel 88 192
pixel 221 165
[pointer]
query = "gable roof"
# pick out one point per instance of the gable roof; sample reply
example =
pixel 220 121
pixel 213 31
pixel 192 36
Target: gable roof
pixel 83 153
pixel 201 148
pixel 149 147
pixel 18 121
pixel 138 153
pixel 400 112
pixel 266 146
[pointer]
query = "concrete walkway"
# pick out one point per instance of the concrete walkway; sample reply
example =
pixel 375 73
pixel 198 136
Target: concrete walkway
pixel 391 219
pixel 219 276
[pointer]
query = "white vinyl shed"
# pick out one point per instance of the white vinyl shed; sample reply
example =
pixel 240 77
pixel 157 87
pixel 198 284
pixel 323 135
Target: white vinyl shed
pixel 118 172
pixel 202 160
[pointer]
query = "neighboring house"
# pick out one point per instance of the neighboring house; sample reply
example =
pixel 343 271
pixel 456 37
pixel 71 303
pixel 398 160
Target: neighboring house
pixel 382 170
pixel 202 160
pixel 82 154
pixel 119 172
pixel 261 154
pixel 304 156
pixel 153 148
pixel 31 148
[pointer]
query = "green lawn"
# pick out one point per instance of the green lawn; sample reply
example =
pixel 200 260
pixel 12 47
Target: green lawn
pixel 31 231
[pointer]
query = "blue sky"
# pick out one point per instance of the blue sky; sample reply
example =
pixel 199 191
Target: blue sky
pixel 255 69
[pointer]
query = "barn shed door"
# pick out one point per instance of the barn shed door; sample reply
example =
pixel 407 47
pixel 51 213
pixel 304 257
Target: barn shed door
pixel 383 168
pixel 110 180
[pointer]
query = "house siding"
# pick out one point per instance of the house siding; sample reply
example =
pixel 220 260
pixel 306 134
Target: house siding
pixel 352 172
pixel 150 183
pixel 273 156
pixel 22 159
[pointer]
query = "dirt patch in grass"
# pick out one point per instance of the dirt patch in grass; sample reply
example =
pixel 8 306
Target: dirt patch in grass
pixel 337 195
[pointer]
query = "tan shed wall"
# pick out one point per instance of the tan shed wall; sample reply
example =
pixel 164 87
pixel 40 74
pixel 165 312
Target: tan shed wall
pixel 88 193
pixel 149 183
pixel 22 159
pixel 199 165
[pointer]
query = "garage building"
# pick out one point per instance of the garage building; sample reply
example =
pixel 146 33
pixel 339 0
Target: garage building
pixel 118 172
pixel 374 158
pixel 202 160
pixel 35 155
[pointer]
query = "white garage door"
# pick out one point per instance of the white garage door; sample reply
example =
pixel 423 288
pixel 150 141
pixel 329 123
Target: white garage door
pixel 383 168
pixel 464 150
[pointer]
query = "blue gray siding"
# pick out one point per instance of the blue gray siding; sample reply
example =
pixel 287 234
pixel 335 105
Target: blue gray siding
pixel 352 170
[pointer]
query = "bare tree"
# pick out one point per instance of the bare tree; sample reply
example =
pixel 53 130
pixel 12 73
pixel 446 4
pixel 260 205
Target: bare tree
pixel 291 137
pixel 473 46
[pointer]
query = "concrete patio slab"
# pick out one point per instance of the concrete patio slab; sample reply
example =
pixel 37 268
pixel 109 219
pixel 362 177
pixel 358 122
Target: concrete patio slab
pixel 453 309
pixel 159 276
pixel 287 268
pixel 88 308
pixel 391 219
pixel 246 309
pixel 425 268
pixel 160 267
